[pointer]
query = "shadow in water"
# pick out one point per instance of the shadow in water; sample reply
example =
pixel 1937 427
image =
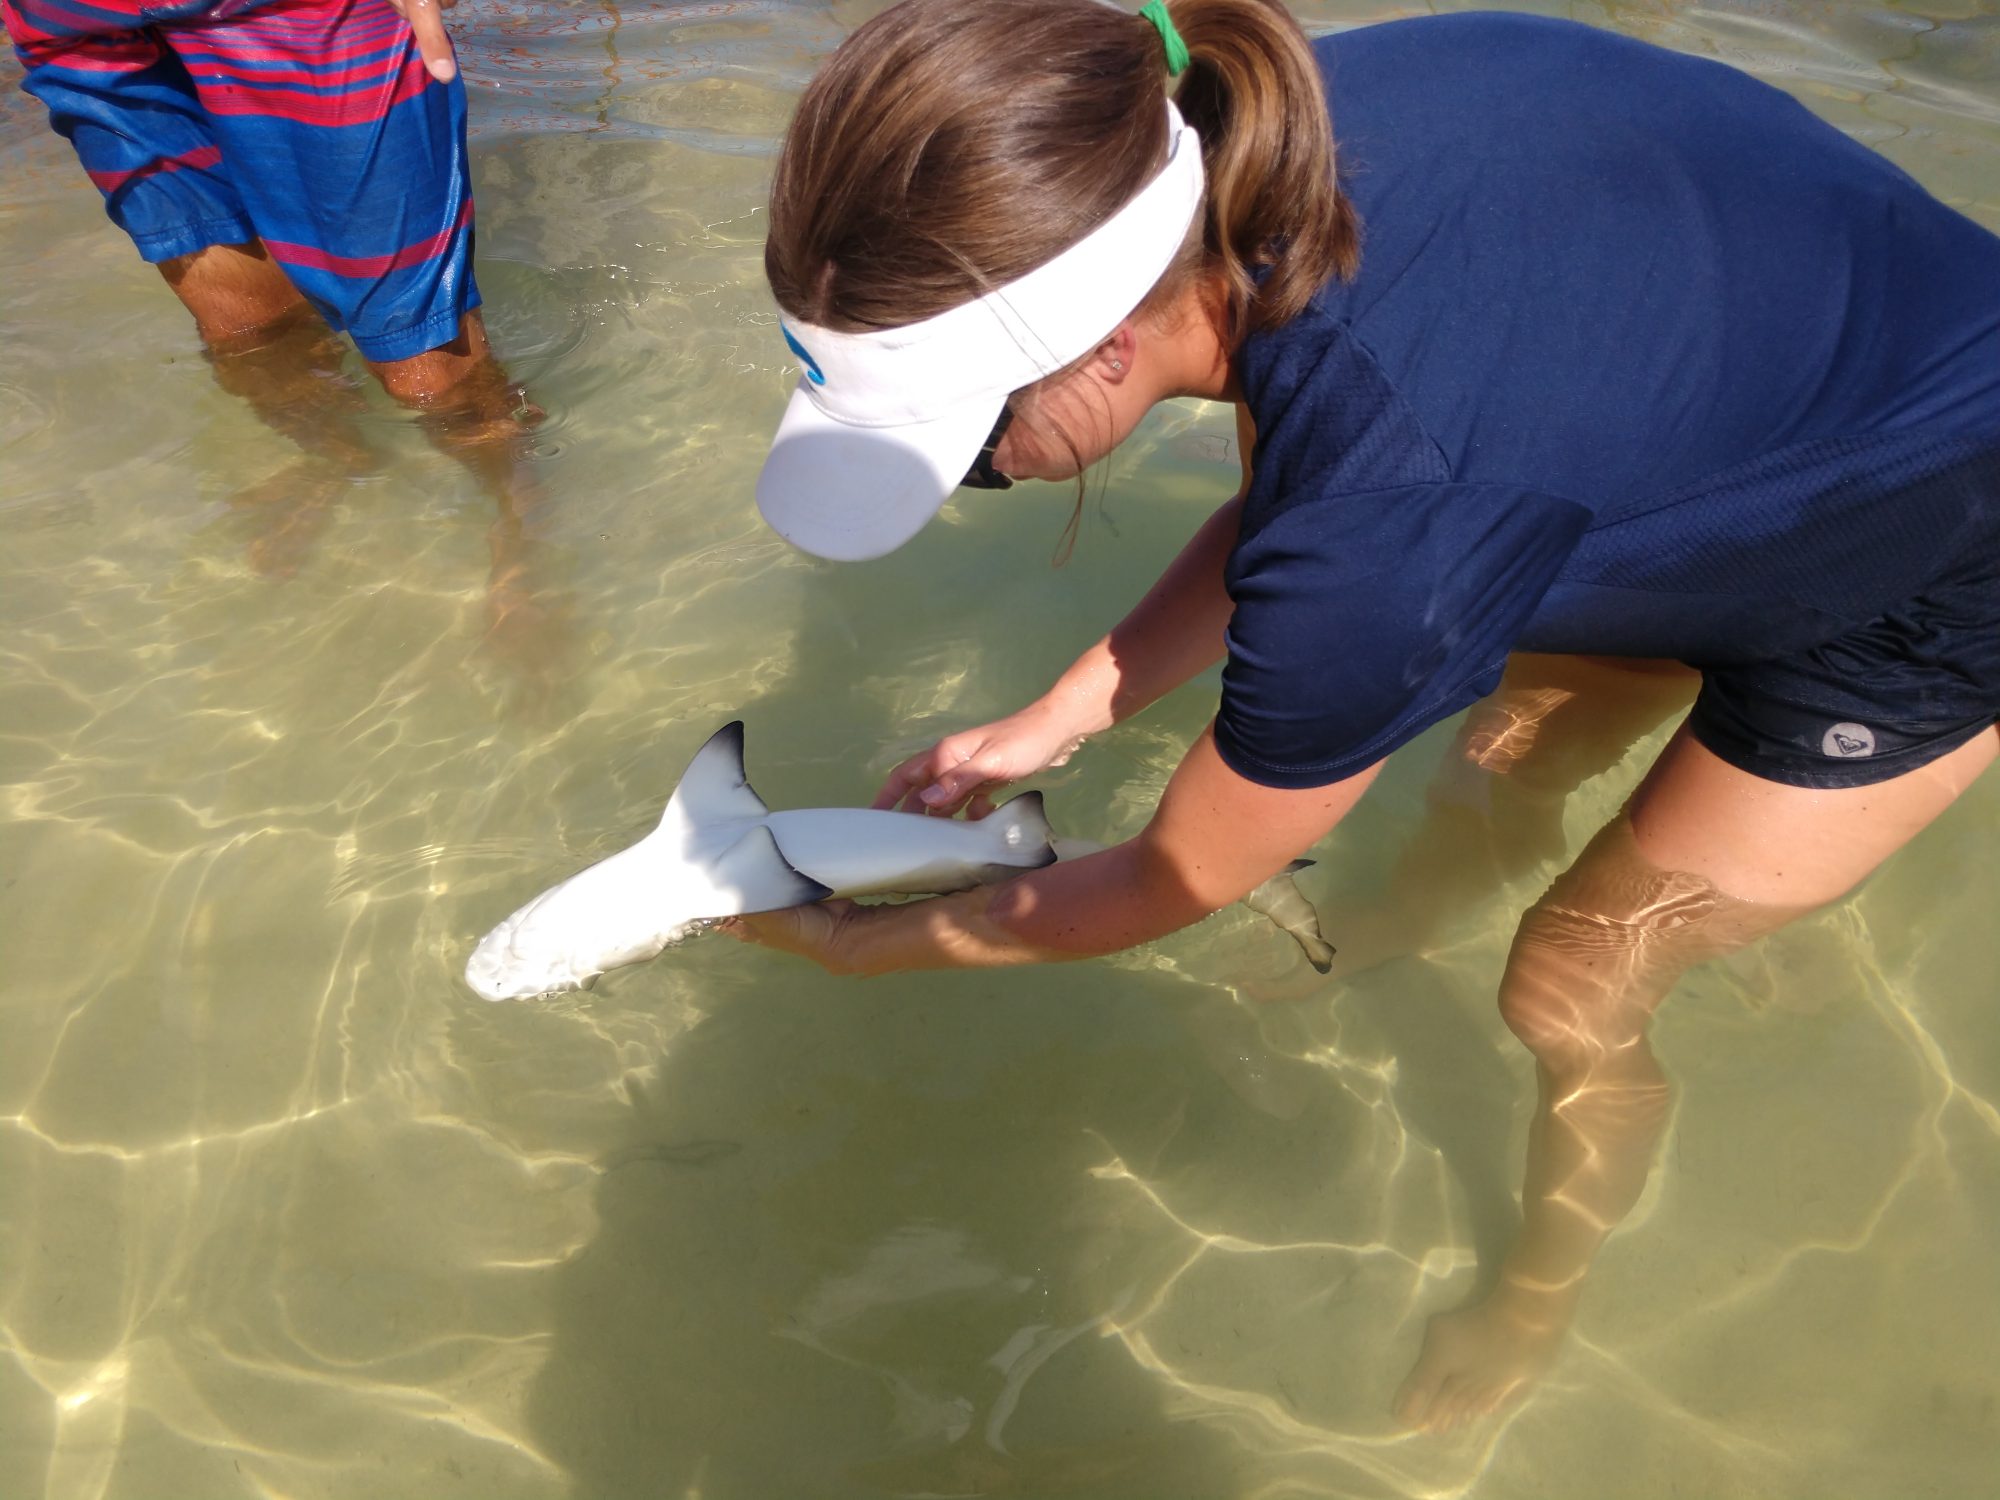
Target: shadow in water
pixel 861 1240
pixel 851 1242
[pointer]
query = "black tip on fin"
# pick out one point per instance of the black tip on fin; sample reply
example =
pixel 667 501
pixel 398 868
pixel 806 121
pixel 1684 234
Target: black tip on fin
pixel 810 890
pixel 730 735
pixel 714 785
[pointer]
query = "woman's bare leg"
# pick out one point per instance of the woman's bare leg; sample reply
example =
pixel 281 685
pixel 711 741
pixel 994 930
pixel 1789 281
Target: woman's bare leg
pixel 1705 859
pixel 1494 811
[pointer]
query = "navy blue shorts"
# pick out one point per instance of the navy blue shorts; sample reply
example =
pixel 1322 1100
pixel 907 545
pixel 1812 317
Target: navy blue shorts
pixel 1885 698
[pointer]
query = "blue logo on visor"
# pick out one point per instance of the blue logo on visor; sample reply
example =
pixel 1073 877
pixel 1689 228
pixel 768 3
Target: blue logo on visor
pixel 813 372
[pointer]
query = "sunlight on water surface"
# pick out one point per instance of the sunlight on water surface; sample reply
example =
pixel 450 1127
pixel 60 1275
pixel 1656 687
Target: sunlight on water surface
pixel 284 1211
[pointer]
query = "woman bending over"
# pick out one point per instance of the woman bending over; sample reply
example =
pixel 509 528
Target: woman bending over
pixel 1587 348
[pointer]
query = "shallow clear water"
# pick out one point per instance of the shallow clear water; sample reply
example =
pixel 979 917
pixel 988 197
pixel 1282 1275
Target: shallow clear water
pixel 284 1211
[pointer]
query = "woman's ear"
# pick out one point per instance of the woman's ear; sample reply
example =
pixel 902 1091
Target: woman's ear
pixel 1112 360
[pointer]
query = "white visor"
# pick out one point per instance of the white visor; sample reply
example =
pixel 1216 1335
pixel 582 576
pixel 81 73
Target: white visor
pixel 884 424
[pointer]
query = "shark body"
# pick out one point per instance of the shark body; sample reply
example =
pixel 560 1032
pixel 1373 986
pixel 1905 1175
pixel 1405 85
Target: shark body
pixel 720 852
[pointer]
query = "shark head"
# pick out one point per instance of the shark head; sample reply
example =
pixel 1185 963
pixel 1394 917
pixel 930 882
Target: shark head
pixel 496 973
pixel 524 957
pixel 566 937
pixel 502 969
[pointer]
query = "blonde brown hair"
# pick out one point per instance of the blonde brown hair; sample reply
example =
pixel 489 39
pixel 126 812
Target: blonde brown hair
pixel 950 146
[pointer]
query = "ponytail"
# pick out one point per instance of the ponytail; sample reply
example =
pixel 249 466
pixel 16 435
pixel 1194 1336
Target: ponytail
pixel 1253 92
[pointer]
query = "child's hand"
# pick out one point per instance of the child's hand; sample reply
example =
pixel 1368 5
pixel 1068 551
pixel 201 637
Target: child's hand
pixel 426 18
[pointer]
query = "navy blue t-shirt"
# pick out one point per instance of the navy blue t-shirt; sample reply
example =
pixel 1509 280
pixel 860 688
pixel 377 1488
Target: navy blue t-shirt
pixel 1637 351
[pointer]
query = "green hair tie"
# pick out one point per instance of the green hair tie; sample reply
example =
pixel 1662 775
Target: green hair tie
pixel 1177 52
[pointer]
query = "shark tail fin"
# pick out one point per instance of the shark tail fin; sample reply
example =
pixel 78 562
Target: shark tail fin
pixel 755 870
pixel 1318 951
pixel 1024 830
pixel 714 787
pixel 1280 899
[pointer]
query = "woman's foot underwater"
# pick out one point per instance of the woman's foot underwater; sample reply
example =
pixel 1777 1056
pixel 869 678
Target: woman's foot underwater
pixel 1482 1359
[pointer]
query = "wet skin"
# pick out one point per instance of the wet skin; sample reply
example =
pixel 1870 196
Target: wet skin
pixel 1705 860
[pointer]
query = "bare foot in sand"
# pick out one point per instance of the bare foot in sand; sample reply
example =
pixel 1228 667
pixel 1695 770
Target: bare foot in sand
pixel 1481 1359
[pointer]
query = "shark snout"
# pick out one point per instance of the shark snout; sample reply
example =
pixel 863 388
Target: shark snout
pixel 503 969
pixel 486 970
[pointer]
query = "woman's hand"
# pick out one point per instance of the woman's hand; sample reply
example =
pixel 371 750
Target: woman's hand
pixel 1176 631
pixel 1216 836
pixel 966 768
pixel 816 932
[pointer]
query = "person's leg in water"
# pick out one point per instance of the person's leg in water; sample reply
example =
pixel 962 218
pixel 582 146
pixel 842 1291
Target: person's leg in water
pixel 357 180
pixel 473 412
pixel 1494 810
pixel 268 346
pixel 336 200
pixel 129 107
pixel 1705 859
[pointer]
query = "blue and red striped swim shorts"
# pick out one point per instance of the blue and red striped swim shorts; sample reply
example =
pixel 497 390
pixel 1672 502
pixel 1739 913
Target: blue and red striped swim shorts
pixel 309 124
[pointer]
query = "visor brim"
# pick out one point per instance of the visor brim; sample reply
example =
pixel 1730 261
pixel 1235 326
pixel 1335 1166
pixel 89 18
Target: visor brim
pixel 850 493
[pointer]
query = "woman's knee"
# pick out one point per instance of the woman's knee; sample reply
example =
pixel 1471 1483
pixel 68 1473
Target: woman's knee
pixel 1616 931
pixel 1566 992
pixel 1594 957
pixel 1557 720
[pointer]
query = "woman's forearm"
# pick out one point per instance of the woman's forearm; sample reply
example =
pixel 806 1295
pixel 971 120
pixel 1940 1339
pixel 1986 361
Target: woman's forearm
pixel 1173 633
pixel 943 932
pixel 1080 908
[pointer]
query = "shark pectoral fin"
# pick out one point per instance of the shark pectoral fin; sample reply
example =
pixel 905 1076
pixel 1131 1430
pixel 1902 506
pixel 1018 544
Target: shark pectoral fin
pixel 714 788
pixel 1024 829
pixel 755 871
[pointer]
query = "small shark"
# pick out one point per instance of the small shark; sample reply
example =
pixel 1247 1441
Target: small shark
pixel 720 852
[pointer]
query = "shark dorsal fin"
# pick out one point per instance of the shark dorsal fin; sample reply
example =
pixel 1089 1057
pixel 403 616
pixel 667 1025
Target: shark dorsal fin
pixel 713 788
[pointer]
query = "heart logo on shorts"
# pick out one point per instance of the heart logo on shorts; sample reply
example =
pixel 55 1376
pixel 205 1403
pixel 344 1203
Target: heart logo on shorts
pixel 1848 741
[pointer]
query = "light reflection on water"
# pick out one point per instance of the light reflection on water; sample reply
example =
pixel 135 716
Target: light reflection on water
pixel 286 1212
